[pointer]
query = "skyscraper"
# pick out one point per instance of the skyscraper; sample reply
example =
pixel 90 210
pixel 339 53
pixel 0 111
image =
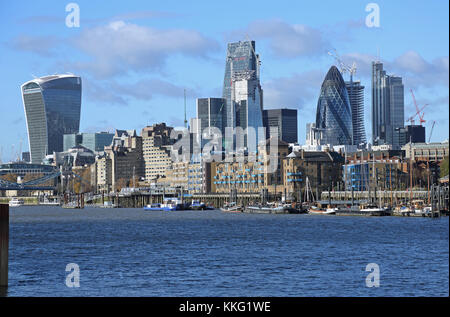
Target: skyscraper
pixel 52 107
pixel 387 106
pixel 285 120
pixel 356 97
pixel 211 113
pixel 241 88
pixel 333 117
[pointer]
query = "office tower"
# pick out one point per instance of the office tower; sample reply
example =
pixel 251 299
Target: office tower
pixel 285 120
pixel 356 97
pixel 387 106
pixel 157 146
pixel 93 141
pixel 241 88
pixel 52 107
pixel 333 117
pixel 211 113
pixel 127 162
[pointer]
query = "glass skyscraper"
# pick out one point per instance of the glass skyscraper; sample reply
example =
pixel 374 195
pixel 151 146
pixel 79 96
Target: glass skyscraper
pixel 285 120
pixel 387 106
pixel 93 141
pixel 334 117
pixel 52 107
pixel 241 88
pixel 211 112
pixel 356 97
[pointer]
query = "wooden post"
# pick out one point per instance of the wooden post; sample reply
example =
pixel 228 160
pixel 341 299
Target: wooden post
pixel 4 244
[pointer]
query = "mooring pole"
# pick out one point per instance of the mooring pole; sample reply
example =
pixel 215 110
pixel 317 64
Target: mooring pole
pixel 4 244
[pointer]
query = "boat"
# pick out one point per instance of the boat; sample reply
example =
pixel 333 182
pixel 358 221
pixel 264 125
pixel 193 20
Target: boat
pixel 231 207
pixel 374 210
pixel 313 210
pixel 153 207
pixel 15 202
pixel 48 202
pixel 172 204
pixel 271 208
pixel 197 205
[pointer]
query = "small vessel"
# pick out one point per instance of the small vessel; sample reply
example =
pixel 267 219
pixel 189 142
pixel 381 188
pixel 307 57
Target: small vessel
pixel 172 204
pixel 153 207
pixel 271 208
pixel 15 202
pixel 197 205
pixel 313 210
pixel 48 202
pixel 231 207
pixel 374 210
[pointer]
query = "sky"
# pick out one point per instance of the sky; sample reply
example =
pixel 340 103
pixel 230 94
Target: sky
pixel 136 58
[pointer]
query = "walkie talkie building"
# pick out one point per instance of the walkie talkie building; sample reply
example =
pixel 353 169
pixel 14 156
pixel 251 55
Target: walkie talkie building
pixel 334 117
pixel 52 107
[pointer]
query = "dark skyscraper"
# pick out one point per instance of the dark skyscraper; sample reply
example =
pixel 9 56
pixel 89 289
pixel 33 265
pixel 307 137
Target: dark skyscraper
pixel 52 108
pixel 387 106
pixel 356 97
pixel 285 120
pixel 333 117
pixel 211 113
pixel 241 88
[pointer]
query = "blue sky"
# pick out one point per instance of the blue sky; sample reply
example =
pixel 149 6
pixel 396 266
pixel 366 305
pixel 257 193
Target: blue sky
pixel 136 57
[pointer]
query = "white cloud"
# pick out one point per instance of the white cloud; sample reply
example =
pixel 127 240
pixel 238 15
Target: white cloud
pixel 121 47
pixel 285 40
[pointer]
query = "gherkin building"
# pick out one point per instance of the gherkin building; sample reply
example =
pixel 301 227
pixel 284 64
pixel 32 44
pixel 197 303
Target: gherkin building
pixel 334 117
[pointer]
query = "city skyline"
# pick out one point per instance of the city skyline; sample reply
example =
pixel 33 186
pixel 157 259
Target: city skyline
pixel 125 91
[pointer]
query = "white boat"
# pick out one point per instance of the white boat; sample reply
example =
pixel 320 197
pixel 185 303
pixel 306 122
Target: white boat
pixel 48 202
pixel 231 207
pixel 317 211
pixel 15 202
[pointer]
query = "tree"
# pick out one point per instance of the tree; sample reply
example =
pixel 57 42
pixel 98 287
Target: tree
pixel 121 183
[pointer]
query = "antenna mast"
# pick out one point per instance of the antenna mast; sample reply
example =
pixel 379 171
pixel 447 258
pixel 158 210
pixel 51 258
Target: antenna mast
pixel 185 120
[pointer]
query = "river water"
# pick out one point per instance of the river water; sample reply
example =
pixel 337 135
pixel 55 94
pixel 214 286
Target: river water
pixel 132 252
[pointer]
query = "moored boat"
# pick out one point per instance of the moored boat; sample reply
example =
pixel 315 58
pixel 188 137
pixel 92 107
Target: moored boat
pixel 321 211
pixel 197 205
pixel 15 202
pixel 231 207
pixel 153 207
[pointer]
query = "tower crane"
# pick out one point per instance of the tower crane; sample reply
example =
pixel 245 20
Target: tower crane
pixel 342 66
pixel 418 111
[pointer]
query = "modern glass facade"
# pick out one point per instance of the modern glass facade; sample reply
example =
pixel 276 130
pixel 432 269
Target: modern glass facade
pixel 285 120
pixel 211 112
pixel 92 141
pixel 241 88
pixel 356 97
pixel 387 106
pixel 334 117
pixel 52 107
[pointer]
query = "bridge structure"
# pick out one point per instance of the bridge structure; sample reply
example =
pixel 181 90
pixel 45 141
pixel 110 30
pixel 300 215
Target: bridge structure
pixel 34 184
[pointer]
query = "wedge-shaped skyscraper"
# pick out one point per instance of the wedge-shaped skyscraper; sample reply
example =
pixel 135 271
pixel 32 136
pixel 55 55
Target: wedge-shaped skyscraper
pixel 334 117
pixel 52 107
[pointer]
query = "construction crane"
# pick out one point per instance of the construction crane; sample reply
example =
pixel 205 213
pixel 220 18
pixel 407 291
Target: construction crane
pixel 431 131
pixel 418 111
pixel 342 66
